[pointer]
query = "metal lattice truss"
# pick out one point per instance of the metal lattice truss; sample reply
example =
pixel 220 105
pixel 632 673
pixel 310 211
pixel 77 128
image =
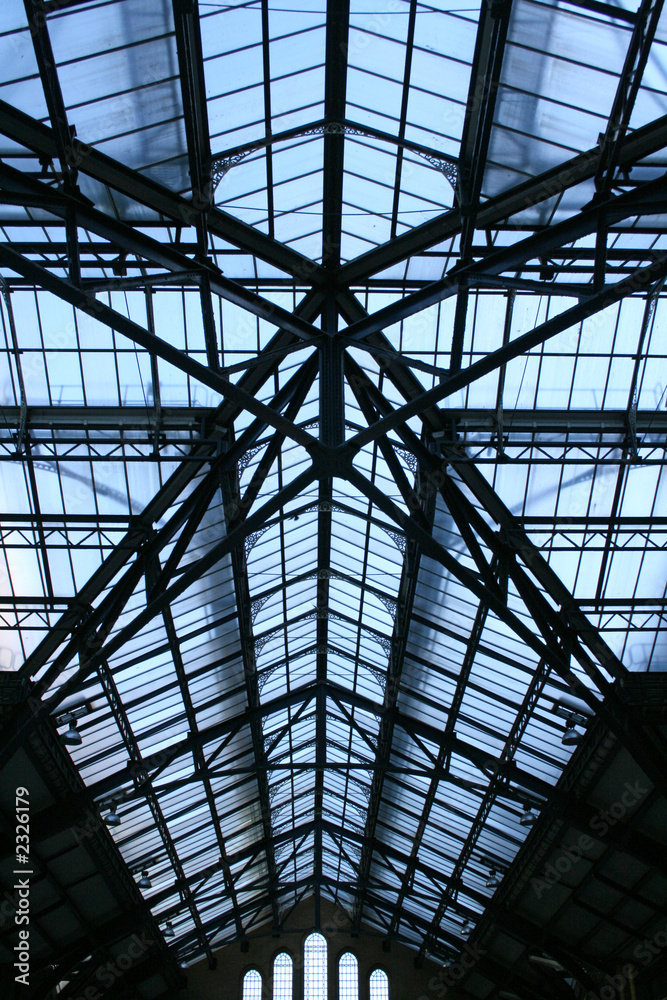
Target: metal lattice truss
pixel 332 493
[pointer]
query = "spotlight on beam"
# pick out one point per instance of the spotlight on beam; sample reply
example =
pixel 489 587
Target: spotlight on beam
pixel 493 880
pixel 72 738
pixel 145 881
pixel 528 816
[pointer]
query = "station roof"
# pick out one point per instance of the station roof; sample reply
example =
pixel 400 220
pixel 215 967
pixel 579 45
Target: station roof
pixel 334 508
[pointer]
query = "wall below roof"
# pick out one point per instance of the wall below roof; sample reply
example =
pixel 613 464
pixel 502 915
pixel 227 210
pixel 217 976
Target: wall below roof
pixel 405 982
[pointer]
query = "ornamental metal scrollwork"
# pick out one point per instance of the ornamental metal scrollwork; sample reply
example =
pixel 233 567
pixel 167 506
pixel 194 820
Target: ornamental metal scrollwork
pixel 385 643
pixel 408 457
pixel 324 613
pixel 276 811
pixel 326 506
pixel 252 539
pixel 379 676
pixel 444 166
pixel 248 456
pixel 257 606
pixel 390 604
pixel 264 676
pixel 262 640
pixel 221 165
pixel 397 539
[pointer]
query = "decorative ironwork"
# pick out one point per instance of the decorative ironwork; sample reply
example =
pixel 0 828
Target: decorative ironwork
pixel 264 676
pixel 397 539
pixel 408 457
pixel 276 811
pixel 252 539
pixel 248 456
pixel 390 604
pixel 326 506
pixel 444 166
pixel 384 642
pixel 324 613
pixel 379 675
pixel 222 165
pixel 261 641
pixel 257 606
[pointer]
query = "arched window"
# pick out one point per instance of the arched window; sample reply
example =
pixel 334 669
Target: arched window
pixel 348 977
pixel 379 985
pixel 315 968
pixel 252 985
pixel 282 977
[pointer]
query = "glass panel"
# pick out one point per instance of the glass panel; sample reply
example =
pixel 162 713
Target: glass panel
pixel 282 977
pixel 252 985
pixel 379 985
pixel 348 977
pixel 315 968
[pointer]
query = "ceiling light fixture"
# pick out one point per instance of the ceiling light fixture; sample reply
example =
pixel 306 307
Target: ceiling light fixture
pixel 113 819
pixel 72 738
pixel 571 737
pixel 528 816
pixel 145 882
pixel 493 880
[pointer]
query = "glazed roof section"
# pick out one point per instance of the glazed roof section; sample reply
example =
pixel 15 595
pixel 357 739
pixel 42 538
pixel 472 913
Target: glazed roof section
pixel 319 698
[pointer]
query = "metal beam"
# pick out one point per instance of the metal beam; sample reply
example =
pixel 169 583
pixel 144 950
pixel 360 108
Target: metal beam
pixel 646 23
pixel 133 241
pixel 642 279
pixel 643 200
pixel 335 81
pixel 611 710
pixel 484 81
pixel 32 134
pixel 26 722
pixel 641 143
pixel 235 507
pixel 153 344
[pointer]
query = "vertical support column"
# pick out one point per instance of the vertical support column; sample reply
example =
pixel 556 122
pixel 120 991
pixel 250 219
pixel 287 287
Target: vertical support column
pixel 73 259
pixel 332 389
pixel 332 969
pixel 364 980
pixel 298 974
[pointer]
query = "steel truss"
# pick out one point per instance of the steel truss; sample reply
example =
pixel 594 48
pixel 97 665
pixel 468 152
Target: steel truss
pixel 351 431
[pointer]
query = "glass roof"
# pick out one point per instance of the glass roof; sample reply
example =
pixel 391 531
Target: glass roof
pixel 333 469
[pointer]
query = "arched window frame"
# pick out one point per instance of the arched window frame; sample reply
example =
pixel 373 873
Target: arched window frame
pixel 376 992
pixel 282 990
pixel 256 990
pixel 312 988
pixel 348 981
